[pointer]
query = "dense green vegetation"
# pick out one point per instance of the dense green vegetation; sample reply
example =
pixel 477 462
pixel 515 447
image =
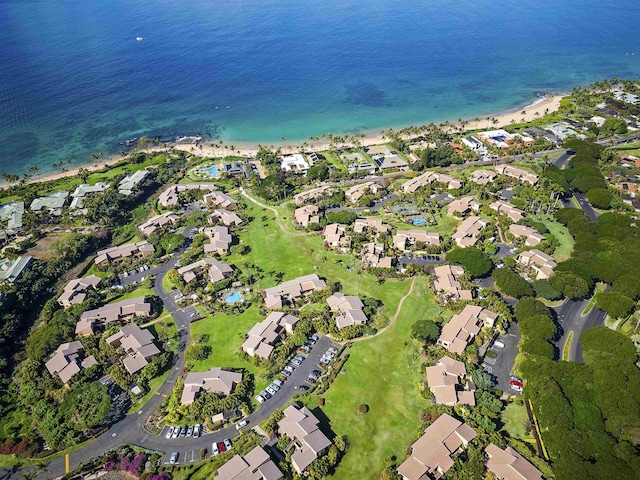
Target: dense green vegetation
pixel 475 262
pixel 589 414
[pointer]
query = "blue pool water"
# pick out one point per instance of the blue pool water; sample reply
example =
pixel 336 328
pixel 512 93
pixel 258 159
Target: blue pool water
pixel 74 80
pixel 212 170
pixel 418 221
pixel 499 138
pixel 233 297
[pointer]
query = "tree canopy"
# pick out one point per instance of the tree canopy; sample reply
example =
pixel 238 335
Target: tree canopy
pixel 475 262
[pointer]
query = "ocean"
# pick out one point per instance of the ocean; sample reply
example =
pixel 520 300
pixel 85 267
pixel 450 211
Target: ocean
pixel 74 81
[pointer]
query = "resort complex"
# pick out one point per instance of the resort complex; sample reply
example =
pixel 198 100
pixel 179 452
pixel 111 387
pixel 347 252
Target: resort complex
pixel 454 301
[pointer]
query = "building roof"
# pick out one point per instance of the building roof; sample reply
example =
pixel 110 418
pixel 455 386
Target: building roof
pixel 533 238
pixel 220 199
pixel 515 214
pixel 53 203
pixel 255 465
pixel 293 289
pixel 443 378
pixel 458 332
pixel 120 252
pixel 170 196
pixel 264 335
pixel 445 278
pixel 312 194
pixel 463 205
pixel 216 270
pixel 226 217
pixel 465 234
pixel 349 310
pixel 12 214
pixel 482 177
pixel 66 362
pixel 157 222
pixel 508 464
pixel 74 291
pixel 220 239
pixel 431 453
pixel 216 380
pixel 12 270
pixel 518 173
pixel 303 426
pixel 129 308
pixel 139 345
pixel 131 181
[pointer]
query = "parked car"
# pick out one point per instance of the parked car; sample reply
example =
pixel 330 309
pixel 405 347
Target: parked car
pixel 310 379
pixel 498 344
pixel 260 399
pixel 169 433
pixel 174 458
pixel 190 432
pixel 176 432
pixel 183 431
pixel 325 360
pixel 516 383
pixel 296 362
pixel 274 387
pixel 265 394
pixel 277 382
pixel 214 450
pixel 242 423
pixel 221 447
pixel 286 373
pixel 303 388
pixel 305 348
pixel 289 368
pixel 227 443
pixel 332 349
pixel 271 390
pixel 197 430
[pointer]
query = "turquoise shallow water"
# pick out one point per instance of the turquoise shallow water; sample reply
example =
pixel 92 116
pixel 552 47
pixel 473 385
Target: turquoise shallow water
pixel 74 80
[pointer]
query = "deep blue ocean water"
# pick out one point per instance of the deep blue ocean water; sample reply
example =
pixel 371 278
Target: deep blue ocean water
pixel 74 80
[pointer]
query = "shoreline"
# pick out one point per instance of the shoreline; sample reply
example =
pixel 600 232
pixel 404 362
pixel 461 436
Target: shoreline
pixel 534 109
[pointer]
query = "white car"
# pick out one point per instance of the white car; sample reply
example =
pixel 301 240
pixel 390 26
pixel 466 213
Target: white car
pixel 169 433
pixel 274 387
pixel 271 390
pixel 242 423
pixel 259 399
pixel 214 449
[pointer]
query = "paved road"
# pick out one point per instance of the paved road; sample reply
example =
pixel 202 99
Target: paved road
pixel 586 207
pixel 570 319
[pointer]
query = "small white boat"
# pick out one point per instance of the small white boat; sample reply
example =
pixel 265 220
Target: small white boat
pixel 139 39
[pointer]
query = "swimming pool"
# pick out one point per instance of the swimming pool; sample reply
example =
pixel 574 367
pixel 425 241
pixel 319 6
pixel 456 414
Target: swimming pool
pixel 418 221
pixel 499 138
pixel 213 171
pixel 233 297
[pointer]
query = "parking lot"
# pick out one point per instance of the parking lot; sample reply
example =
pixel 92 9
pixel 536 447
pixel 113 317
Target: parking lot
pixel 501 366
pixel 298 377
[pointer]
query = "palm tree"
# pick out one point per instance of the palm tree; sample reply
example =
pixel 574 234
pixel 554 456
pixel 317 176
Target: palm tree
pixel 28 476
pixel 43 467
pixel 34 170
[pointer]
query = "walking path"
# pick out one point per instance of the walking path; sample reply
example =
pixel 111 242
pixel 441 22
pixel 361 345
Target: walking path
pixel 277 215
pixel 395 317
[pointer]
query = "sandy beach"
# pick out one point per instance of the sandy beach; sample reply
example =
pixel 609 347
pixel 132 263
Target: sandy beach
pixel 538 108
pixel 533 110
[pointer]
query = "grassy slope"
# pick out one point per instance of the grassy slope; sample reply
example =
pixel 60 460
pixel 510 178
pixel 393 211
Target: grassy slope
pixel 563 251
pixel 514 417
pixel 377 375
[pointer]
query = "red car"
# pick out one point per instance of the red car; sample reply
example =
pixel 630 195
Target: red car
pixel 516 384
pixel 221 447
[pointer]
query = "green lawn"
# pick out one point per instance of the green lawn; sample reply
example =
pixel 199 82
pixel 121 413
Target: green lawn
pixel 225 336
pixel 629 149
pixel 333 159
pixel 276 252
pixel 377 374
pixel 138 292
pixel 514 417
pixel 563 251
